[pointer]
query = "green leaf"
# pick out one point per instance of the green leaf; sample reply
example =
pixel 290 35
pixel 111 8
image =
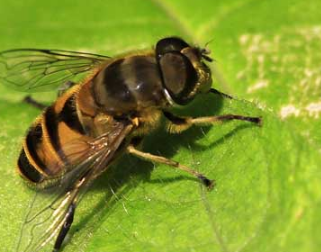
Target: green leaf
pixel 268 190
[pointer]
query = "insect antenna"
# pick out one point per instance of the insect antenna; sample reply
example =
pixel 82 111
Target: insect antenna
pixel 205 51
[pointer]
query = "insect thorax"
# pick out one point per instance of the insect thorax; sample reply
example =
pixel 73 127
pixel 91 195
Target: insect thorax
pixel 129 84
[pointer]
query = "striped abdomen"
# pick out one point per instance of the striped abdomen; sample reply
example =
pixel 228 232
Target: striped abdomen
pixel 47 147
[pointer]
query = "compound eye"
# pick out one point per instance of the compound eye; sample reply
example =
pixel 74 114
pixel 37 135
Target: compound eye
pixel 171 44
pixel 179 76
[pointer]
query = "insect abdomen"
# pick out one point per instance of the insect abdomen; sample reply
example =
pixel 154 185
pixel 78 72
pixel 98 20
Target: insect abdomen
pixel 45 152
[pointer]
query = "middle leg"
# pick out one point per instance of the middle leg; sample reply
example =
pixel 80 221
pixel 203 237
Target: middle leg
pixel 163 160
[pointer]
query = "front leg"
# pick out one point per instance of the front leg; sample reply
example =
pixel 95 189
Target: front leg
pixel 178 124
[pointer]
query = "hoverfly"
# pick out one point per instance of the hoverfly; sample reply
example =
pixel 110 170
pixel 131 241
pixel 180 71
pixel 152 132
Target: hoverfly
pixel 95 121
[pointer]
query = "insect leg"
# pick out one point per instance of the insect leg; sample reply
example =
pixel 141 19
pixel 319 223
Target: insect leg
pixel 65 227
pixel 159 159
pixel 28 99
pixel 215 91
pixel 179 124
pixel 64 87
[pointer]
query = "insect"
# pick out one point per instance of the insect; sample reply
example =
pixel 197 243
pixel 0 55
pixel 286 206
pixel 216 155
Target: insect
pixel 96 120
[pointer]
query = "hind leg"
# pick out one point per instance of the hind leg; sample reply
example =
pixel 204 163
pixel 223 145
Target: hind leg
pixel 29 100
pixel 61 90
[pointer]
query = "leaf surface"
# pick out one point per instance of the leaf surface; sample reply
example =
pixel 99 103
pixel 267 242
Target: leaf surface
pixel 268 190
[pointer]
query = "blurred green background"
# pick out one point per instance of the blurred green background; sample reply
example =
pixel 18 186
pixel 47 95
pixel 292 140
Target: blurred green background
pixel 268 191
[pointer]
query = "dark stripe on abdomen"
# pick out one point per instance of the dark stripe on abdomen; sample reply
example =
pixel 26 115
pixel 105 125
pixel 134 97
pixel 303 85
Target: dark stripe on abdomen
pixel 51 124
pixel 33 142
pixel 27 169
pixel 69 116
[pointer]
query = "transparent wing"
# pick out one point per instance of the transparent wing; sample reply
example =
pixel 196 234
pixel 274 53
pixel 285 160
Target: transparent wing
pixel 48 209
pixel 33 70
